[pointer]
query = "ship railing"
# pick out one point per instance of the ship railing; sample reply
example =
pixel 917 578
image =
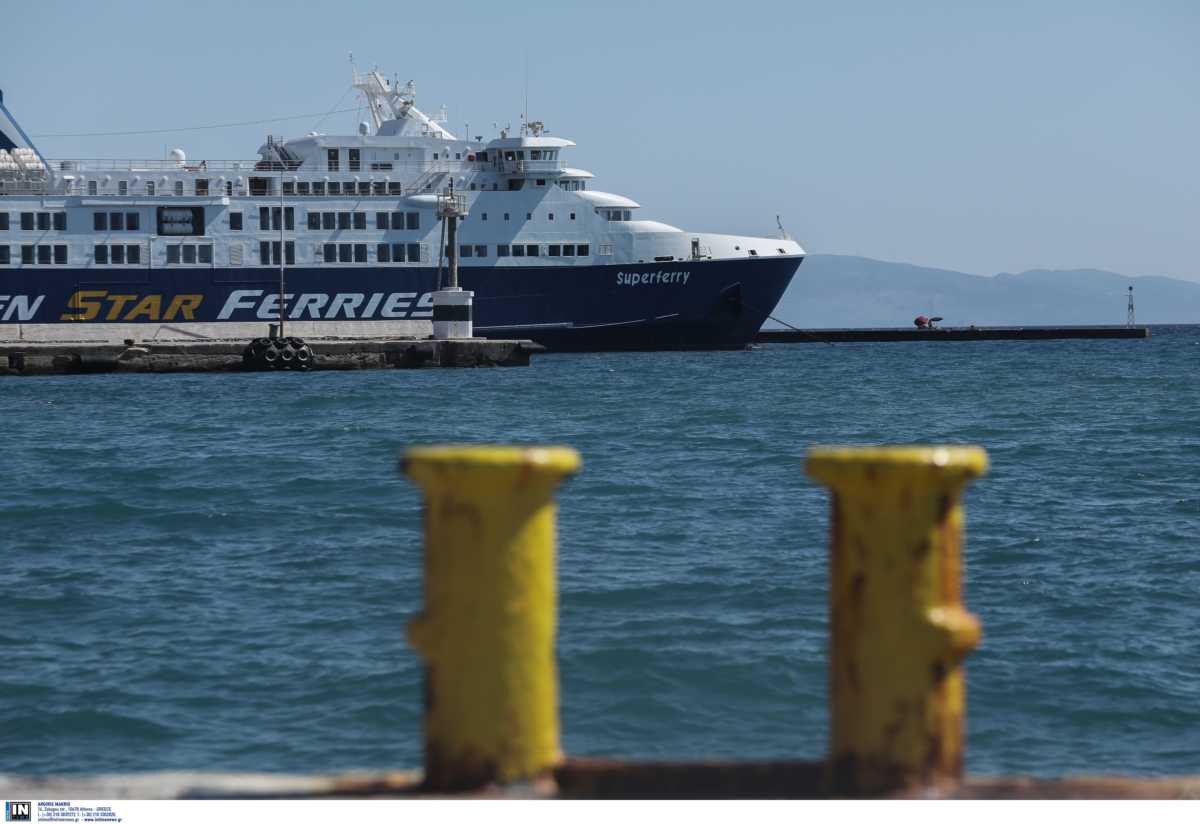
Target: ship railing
pixel 364 189
pixel 17 186
pixel 388 167
pixel 238 178
pixel 135 166
pixel 364 170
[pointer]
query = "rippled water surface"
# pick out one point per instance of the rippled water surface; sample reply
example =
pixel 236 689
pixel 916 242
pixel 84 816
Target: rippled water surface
pixel 215 571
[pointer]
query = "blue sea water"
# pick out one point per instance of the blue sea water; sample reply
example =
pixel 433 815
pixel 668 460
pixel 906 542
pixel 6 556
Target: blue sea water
pixel 215 572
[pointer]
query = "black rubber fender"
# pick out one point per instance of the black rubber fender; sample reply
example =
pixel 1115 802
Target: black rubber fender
pixel 268 354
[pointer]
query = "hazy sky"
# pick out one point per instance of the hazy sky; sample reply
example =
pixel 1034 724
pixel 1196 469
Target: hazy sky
pixel 979 137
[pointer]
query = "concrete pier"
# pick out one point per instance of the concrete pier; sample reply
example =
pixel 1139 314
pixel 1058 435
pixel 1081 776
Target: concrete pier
pixel 949 333
pixel 227 356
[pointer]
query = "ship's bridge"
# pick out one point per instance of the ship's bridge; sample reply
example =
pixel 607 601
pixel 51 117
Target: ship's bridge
pixel 531 156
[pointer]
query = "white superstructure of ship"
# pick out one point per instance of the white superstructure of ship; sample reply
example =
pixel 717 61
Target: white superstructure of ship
pixel 352 219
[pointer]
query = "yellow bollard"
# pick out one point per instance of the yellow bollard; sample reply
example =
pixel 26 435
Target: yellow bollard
pixel 899 632
pixel 487 630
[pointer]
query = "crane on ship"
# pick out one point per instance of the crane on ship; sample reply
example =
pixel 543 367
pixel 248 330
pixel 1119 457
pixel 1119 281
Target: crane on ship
pixel 390 101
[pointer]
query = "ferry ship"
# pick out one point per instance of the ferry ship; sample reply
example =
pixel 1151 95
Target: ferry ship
pixel 348 225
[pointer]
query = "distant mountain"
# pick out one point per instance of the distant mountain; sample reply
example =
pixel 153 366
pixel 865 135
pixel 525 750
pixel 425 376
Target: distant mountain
pixel 839 290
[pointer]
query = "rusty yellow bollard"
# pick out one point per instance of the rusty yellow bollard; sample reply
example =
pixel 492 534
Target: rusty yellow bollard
pixel 899 632
pixel 488 626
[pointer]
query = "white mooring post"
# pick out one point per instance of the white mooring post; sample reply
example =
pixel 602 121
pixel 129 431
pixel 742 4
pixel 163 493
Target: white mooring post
pixel 452 305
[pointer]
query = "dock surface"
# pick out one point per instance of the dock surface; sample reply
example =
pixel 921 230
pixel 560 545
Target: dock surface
pixel 87 357
pixel 950 333
pixel 584 778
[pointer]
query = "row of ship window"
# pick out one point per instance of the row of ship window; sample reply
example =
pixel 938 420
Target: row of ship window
pixel 268 217
pixel 201 187
pixel 354 157
pixel 528 216
pixel 130 254
pixel 43 254
pixel 319 188
pixel 268 252
pixel 37 221
pixel 259 186
pixel 358 220
pixel 118 254
pixel 116 221
pixel 46 254
pixel 190 253
pixel 93 188
pixel 57 221
pixel 411 252
pixel 533 250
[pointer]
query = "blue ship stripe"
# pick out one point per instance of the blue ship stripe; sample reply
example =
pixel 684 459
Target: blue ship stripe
pixel 611 305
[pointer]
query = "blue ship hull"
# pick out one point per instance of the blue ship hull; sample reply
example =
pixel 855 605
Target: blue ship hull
pixel 709 304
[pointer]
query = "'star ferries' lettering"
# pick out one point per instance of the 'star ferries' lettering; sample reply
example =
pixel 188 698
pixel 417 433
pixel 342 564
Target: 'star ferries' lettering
pixel 640 278
pixel 242 304
pixel 19 307
pixel 320 306
pixel 100 304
